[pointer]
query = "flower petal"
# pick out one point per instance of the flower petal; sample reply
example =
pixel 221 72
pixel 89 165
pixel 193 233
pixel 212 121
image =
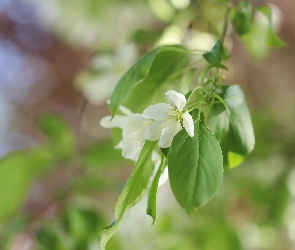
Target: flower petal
pixel 159 112
pixel 134 127
pixel 130 149
pixel 153 131
pixel 188 123
pixel 178 99
pixel 163 178
pixel 168 133
pixel 116 122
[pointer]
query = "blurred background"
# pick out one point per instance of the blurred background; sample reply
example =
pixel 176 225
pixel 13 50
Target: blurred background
pixel 59 62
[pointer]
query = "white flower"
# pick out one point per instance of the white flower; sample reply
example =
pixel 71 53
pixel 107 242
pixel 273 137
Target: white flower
pixel 168 120
pixel 133 126
pixel 97 87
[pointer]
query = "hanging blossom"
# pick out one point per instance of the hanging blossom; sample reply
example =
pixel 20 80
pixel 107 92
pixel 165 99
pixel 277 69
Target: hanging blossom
pixel 168 120
pixel 133 126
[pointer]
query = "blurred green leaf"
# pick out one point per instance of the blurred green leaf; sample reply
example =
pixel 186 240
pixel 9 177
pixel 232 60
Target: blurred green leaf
pixel 186 81
pixel 145 36
pixel 17 171
pixel 195 167
pixel 49 239
pixel 81 223
pixel 217 54
pixel 243 17
pixel 146 75
pixel 101 154
pixel 61 137
pixel 272 39
pixel 132 192
pixel 10 229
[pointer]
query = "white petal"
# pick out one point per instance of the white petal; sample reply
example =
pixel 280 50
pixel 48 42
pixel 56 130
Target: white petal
pixel 153 131
pixel 168 133
pixel 188 123
pixel 134 128
pixel 104 62
pixel 130 149
pixel 163 178
pixel 178 99
pixel 160 111
pixel 155 157
pixel 116 122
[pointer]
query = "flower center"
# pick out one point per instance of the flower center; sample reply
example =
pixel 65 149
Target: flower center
pixel 177 114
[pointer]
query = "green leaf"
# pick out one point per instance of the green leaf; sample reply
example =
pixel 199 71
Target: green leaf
pixel 17 171
pixel 152 197
pixel 101 154
pixel 218 121
pixel 243 139
pixel 48 238
pixel 142 36
pixel 195 168
pixel 132 192
pixel 59 133
pixel 272 39
pixel 81 223
pixel 147 74
pixel 232 126
pixel 204 72
pixel 186 81
pixel 243 17
pixel 217 54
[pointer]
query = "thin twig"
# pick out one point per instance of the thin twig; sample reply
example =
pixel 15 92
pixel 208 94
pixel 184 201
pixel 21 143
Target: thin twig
pixel 81 113
pixel 225 24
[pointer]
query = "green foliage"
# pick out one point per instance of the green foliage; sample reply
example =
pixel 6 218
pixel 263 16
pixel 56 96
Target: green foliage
pixel 205 71
pixel 81 223
pixel 17 171
pixel 195 164
pixel 152 196
pixel 232 125
pixel 262 36
pixel 62 141
pixel 147 75
pixel 272 39
pixel 132 192
pixel 194 174
pixel 217 54
pixel 243 17
pixel 101 154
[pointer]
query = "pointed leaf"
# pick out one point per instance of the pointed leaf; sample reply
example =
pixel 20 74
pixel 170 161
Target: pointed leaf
pixel 149 71
pixel 272 39
pixel 232 126
pixel 195 168
pixel 243 17
pixel 152 197
pixel 217 54
pixel 132 192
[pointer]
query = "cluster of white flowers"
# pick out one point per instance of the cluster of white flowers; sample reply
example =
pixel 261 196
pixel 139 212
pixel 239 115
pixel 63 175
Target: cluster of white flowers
pixel 157 122
pixel 97 87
